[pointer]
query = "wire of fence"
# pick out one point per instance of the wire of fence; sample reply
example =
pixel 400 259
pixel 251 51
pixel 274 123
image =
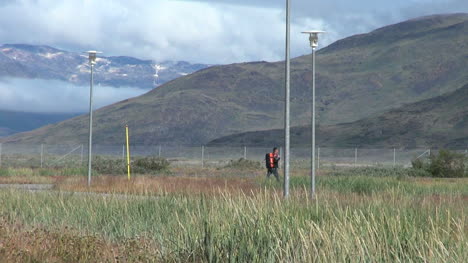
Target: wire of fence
pixel 45 155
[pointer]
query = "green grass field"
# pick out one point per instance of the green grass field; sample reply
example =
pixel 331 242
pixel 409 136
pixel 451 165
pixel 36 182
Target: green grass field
pixel 354 218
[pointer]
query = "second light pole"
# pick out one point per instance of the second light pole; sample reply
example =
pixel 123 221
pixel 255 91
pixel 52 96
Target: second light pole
pixel 92 62
pixel 287 100
pixel 313 38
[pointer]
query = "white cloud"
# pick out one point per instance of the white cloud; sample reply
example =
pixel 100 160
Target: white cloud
pixel 37 95
pixel 207 31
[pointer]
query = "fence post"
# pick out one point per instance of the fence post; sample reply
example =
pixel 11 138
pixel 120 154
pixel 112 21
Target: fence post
pixel 42 154
pixel 159 152
pixel 245 153
pixel 394 156
pixel 0 154
pixel 203 156
pixel 318 159
pixel 355 156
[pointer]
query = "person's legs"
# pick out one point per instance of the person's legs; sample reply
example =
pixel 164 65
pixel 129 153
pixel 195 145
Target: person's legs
pixel 275 172
pixel 269 173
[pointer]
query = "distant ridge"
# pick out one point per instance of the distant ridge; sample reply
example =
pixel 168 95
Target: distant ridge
pixel 13 122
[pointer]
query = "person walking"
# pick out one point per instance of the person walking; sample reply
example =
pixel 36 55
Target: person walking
pixel 272 161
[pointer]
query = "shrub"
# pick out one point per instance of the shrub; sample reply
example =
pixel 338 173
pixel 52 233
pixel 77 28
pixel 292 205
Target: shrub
pixel 447 164
pixel 139 166
pixel 243 164
pixel 108 166
pixel 444 164
pixel 150 164
pixel 418 164
pixel 4 172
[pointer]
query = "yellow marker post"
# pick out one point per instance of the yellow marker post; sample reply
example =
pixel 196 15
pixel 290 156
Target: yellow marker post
pixel 128 152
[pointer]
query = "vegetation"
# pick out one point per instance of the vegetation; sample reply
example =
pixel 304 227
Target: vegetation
pixel 140 165
pixel 444 164
pixel 216 215
pixel 148 165
pixel 243 164
pixel 390 224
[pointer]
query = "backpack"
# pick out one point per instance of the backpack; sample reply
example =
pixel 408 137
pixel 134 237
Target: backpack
pixel 267 161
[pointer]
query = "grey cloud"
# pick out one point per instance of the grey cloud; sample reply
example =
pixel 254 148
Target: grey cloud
pixel 50 96
pixel 344 17
pixel 206 31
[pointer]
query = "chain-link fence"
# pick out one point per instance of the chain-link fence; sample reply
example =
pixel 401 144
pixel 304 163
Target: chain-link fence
pixel 17 155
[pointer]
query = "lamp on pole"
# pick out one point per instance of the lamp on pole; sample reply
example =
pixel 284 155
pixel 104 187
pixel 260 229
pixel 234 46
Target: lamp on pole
pixel 313 38
pixel 287 100
pixel 92 61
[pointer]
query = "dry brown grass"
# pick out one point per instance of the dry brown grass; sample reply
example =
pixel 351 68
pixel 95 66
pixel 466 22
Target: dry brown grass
pixel 26 179
pixel 161 184
pixel 40 244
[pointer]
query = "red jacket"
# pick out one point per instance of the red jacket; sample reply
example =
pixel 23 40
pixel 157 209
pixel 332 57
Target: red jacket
pixel 271 160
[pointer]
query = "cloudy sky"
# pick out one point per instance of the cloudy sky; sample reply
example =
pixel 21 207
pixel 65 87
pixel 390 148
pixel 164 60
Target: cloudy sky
pixel 55 96
pixel 206 31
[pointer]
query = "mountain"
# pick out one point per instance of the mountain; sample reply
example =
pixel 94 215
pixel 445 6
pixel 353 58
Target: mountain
pixel 357 77
pixel 437 122
pixel 5 132
pixel 44 62
pixel 13 122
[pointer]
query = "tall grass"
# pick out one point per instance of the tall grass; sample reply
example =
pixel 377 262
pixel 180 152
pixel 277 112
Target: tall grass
pixel 373 185
pixel 389 225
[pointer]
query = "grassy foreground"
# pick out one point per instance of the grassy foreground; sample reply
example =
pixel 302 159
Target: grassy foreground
pixel 397 220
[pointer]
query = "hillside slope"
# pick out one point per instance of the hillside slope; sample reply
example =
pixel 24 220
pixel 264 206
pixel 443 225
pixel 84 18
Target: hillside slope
pixel 358 77
pixel 13 122
pixel 436 122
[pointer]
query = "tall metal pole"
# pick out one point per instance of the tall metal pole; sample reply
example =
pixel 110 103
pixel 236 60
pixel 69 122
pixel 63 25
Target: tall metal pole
pixel 287 98
pixel 127 140
pixel 313 126
pixel 90 140
pixel 313 38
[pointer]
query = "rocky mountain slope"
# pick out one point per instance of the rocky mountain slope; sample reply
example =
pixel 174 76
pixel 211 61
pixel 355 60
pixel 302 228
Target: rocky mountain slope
pixel 437 122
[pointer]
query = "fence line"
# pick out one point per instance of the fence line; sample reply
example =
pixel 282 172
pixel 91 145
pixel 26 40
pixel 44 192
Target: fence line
pixel 60 155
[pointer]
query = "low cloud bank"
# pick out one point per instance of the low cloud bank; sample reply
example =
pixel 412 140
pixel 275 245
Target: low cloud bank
pixel 54 96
